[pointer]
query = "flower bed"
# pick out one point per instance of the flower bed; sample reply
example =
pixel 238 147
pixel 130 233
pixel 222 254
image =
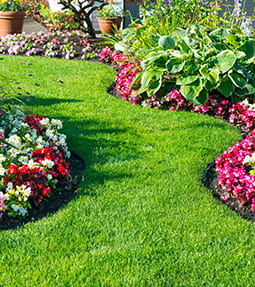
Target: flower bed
pixel 241 114
pixel 33 159
pixel 236 167
pixel 53 44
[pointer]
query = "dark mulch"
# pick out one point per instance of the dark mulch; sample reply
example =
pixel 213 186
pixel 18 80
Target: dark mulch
pixel 210 180
pixel 64 193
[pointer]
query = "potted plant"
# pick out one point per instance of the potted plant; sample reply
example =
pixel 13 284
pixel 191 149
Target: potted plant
pixel 109 18
pixel 12 14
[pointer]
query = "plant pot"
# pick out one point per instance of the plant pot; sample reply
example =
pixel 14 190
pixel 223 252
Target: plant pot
pixel 108 25
pixel 11 22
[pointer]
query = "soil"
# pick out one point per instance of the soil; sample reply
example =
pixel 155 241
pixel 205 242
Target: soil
pixel 65 192
pixel 210 180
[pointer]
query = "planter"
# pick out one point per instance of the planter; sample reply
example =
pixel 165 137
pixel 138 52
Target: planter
pixel 11 22
pixel 108 25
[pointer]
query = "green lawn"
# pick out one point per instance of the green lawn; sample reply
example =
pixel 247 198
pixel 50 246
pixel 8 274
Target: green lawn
pixel 142 216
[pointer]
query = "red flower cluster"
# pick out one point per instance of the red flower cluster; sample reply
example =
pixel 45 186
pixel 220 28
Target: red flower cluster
pixel 60 168
pixel 33 121
pixel 35 178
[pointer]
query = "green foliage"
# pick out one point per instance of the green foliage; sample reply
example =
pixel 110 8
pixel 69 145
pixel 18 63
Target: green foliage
pixel 161 18
pixel 199 63
pixel 60 20
pixel 12 5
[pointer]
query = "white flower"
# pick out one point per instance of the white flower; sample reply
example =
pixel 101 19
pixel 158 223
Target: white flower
pixel 28 136
pixel 49 133
pixel 2 170
pixel 48 163
pixel 23 159
pixel 15 207
pixel 31 164
pixel 9 186
pixel 49 176
pixel 24 125
pixel 57 123
pixel 44 122
pixel 21 210
pixel 2 158
pixel 14 140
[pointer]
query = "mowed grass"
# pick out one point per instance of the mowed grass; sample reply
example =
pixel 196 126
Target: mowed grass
pixel 142 216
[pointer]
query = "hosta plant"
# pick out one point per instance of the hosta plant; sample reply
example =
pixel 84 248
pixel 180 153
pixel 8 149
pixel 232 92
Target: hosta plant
pixel 33 158
pixel 199 64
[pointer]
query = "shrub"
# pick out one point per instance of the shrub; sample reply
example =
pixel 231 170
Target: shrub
pixel 198 63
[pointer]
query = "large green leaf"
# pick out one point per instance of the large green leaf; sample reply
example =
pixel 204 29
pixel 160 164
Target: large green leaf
pixel 191 67
pixel 202 98
pixel 241 92
pixel 175 65
pixel 212 79
pixel 225 60
pixel 226 87
pixel 238 80
pixel 186 80
pixel 192 91
pixel 249 49
pixel 150 82
pixel 166 42
pixel 250 86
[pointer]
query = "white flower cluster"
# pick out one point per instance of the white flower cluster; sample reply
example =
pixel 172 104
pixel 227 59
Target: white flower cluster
pixel 250 106
pixel 23 140
pixel 250 160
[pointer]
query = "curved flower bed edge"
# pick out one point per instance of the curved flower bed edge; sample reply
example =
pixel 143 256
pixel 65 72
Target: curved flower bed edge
pixel 235 167
pixel 34 160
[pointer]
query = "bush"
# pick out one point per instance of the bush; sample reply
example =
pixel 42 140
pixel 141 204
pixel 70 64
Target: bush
pixel 199 64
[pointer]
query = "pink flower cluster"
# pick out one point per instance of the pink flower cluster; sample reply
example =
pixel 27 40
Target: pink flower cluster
pixel 127 68
pixel 241 116
pixel 234 176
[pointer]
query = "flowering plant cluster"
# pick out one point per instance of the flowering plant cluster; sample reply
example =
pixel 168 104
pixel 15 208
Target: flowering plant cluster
pixel 53 44
pixel 241 114
pixel 110 10
pixel 127 68
pixel 236 169
pixel 33 158
pixel 12 5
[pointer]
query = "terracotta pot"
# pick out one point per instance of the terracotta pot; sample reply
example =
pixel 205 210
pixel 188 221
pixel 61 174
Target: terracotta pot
pixel 11 22
pixel 106 25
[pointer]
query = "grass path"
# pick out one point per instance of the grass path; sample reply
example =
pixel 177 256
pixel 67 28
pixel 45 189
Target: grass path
pixel 142 217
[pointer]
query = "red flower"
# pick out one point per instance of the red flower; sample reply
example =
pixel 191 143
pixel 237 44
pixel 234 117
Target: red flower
pixel 12 169
pixel 46 191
